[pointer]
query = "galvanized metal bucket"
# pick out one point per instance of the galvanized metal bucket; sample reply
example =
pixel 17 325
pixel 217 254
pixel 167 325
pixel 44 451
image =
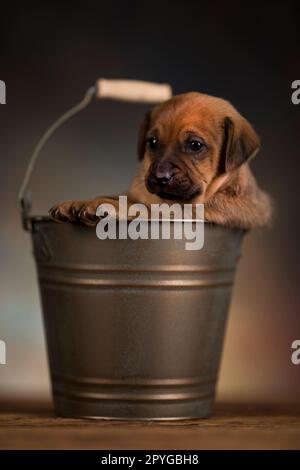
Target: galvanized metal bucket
pixel 134 328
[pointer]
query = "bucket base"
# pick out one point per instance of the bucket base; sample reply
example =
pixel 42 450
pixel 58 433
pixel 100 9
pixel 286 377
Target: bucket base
pixel 67 408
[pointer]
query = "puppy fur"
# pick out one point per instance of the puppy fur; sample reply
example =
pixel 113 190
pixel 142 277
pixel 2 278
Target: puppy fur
pixel 193 148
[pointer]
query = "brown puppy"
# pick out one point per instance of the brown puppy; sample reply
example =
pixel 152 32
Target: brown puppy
pixel 193 148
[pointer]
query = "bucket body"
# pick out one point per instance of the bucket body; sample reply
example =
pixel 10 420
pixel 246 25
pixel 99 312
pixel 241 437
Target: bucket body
pixel 134 328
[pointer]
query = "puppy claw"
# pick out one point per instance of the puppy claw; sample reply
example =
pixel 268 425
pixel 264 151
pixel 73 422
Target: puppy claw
pixel 88 216
pixel 62 218
pixel 73 213
pixel 61 212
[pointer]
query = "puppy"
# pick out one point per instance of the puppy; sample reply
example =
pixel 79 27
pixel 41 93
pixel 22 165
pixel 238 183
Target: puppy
pixel 193 148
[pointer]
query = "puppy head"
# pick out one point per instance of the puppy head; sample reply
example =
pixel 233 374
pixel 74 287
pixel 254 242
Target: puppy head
pixel 188 142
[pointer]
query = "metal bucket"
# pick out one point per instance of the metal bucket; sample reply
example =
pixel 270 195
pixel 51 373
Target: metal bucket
pixel 134 328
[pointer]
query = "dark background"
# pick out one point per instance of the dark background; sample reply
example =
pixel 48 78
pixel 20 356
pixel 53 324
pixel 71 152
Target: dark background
pixel 245 52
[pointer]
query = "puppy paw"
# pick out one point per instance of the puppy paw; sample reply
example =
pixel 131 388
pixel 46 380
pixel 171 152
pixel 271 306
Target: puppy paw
pixel 80 211
pixel 87 213
pixel 67 211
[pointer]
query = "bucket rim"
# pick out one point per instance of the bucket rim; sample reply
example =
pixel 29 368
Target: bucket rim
pixel 36 219
pixel 48 218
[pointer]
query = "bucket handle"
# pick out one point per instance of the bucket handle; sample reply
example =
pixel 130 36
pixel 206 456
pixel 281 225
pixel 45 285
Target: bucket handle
pixel 123 90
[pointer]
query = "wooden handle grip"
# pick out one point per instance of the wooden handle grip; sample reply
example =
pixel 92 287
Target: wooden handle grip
pixel 133 90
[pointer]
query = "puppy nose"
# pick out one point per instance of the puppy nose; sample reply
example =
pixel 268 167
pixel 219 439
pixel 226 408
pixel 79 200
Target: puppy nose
pixel 163 175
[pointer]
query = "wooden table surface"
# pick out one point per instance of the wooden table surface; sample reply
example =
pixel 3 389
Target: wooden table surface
pixel 30 426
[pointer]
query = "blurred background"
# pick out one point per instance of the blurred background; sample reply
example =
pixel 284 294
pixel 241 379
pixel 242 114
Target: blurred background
pixel 50 54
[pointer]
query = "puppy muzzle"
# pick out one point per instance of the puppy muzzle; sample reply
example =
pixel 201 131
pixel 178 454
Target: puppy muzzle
pixel 168 185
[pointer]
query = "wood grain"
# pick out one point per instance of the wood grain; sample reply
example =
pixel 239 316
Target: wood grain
pixel 32 426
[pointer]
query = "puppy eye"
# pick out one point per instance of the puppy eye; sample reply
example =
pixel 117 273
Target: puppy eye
pixel 152 143
pixel 195 145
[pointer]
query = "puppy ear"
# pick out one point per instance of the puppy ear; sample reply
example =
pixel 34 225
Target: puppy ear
pixel 240 144
pixel 142 135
